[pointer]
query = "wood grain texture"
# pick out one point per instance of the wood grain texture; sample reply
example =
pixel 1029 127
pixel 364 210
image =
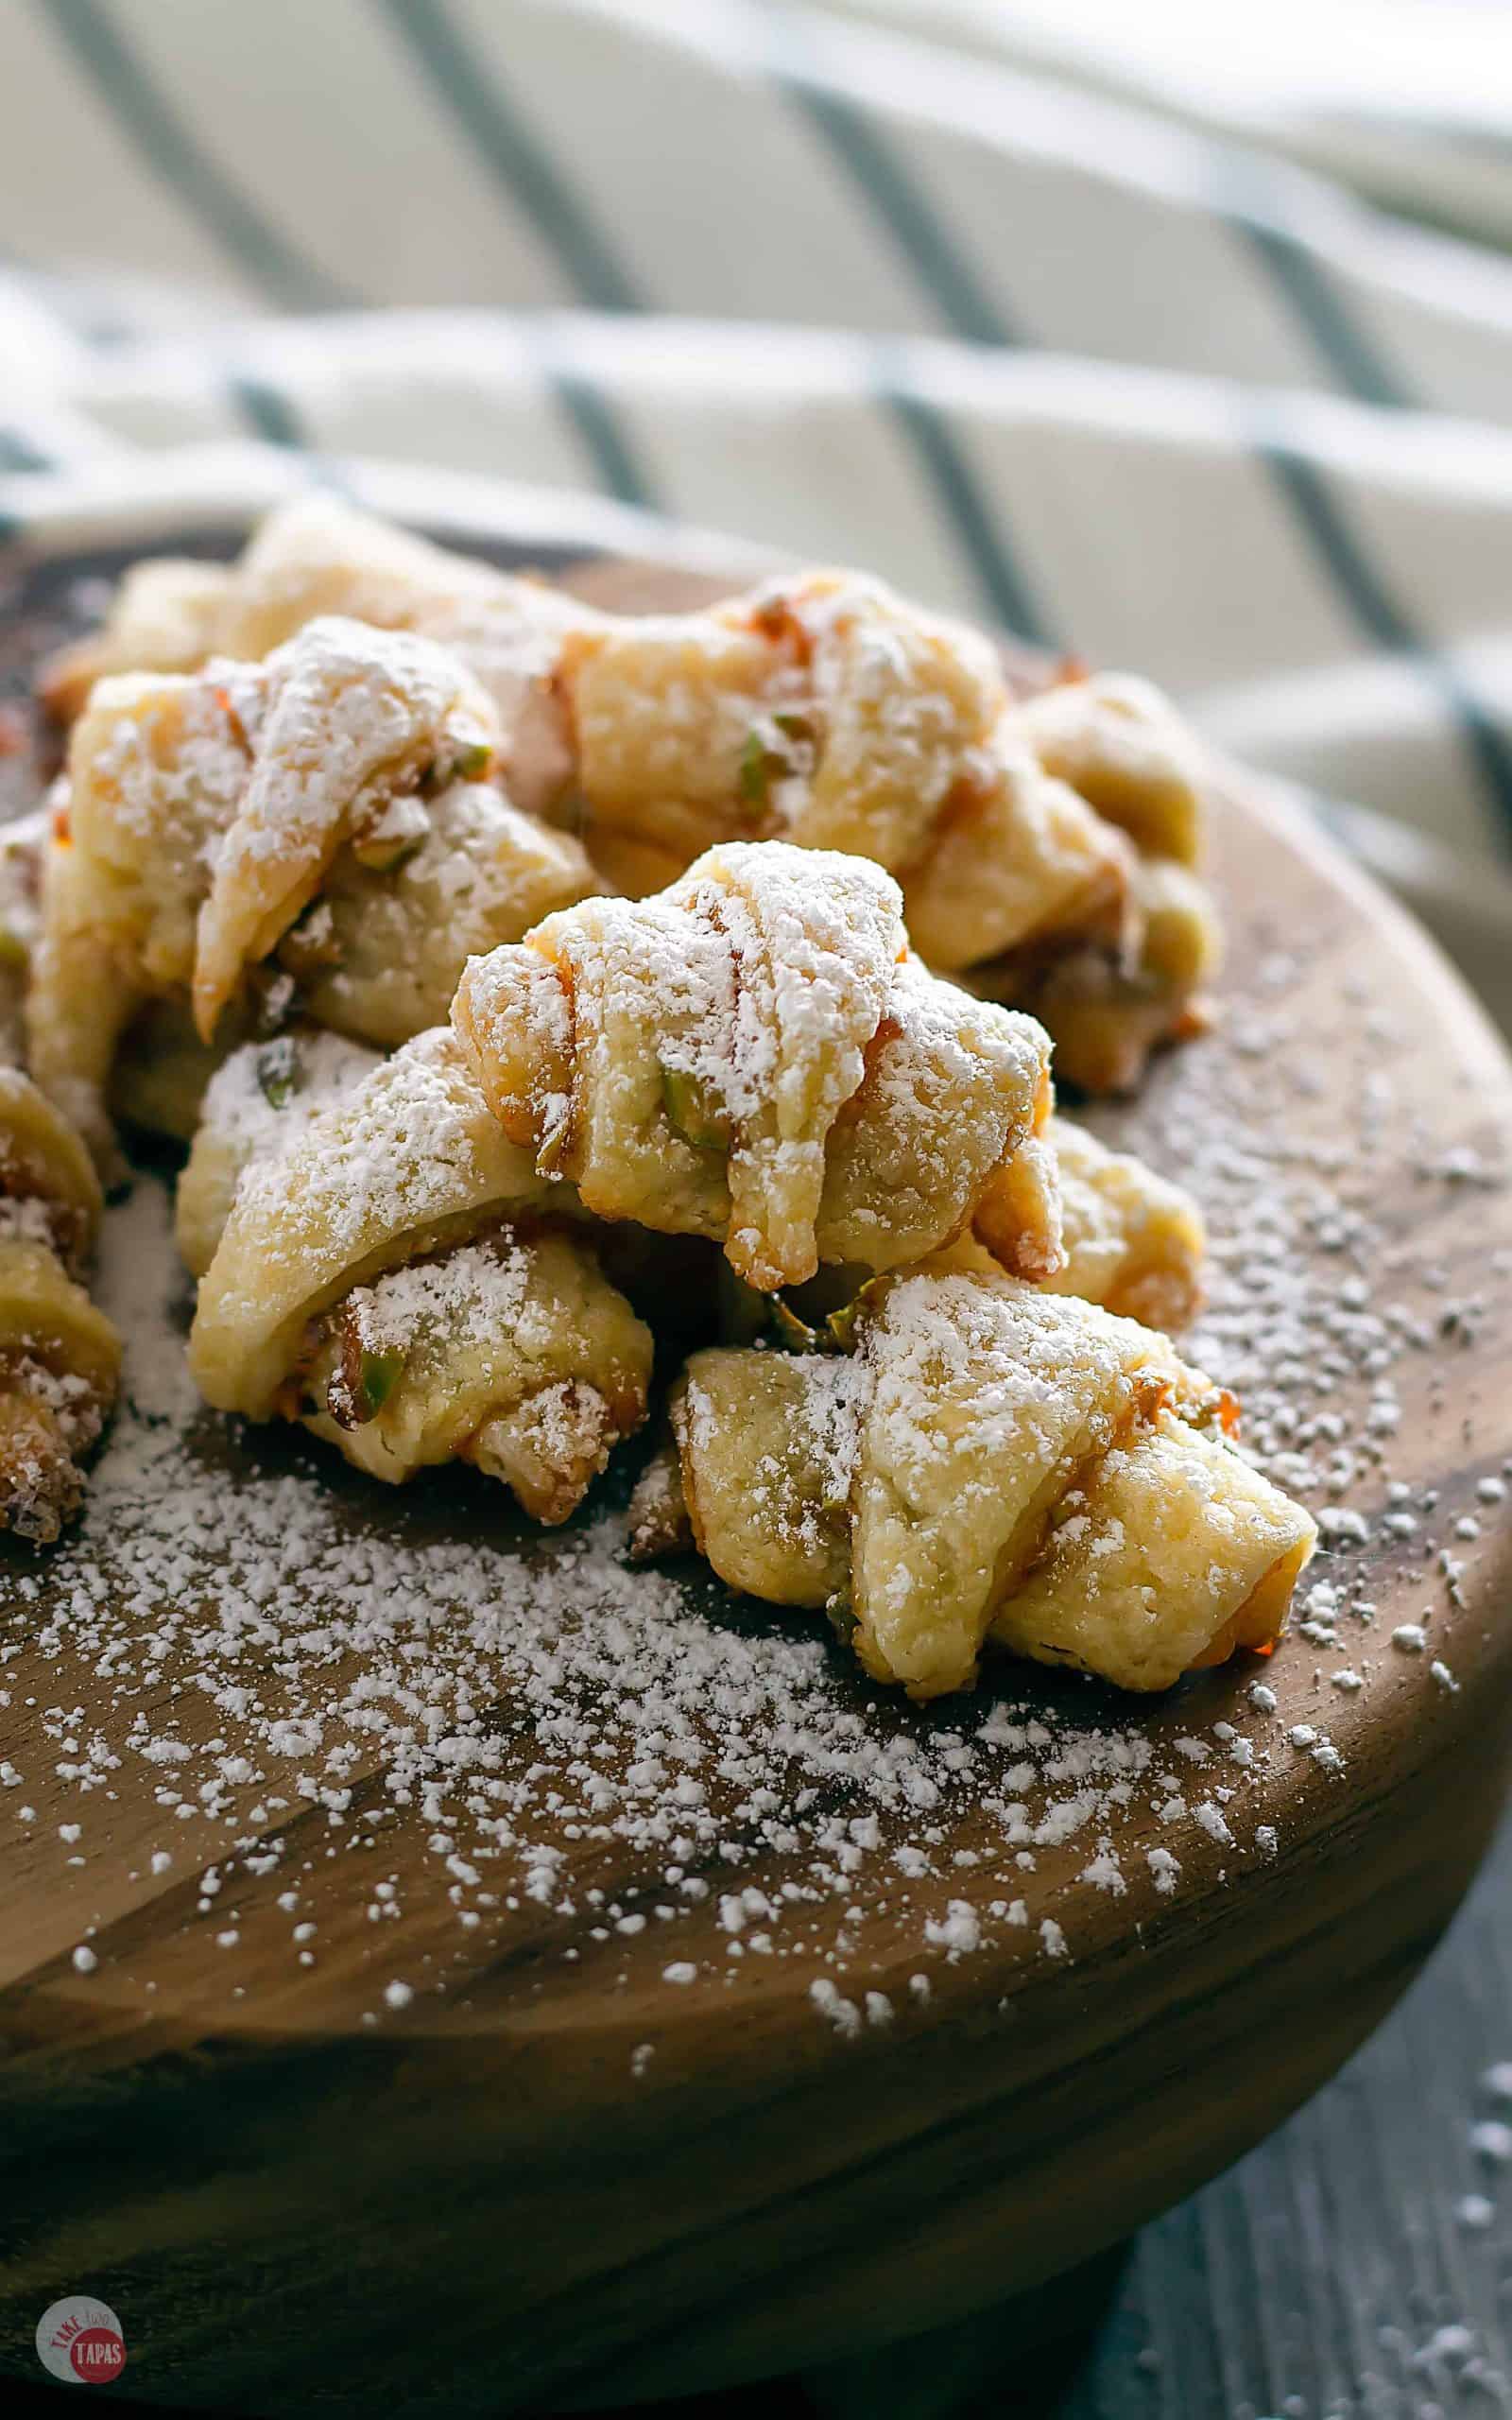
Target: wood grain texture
pixel 476 2206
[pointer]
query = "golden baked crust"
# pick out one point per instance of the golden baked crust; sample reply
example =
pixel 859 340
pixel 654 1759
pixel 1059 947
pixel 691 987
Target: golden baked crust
pixel 1049 848
pixel 324 805
pixel 986 1459
pixel 60 1356
pixel 753 1056
pixel 358 765
pixel 1130 1240
pixel 387 1277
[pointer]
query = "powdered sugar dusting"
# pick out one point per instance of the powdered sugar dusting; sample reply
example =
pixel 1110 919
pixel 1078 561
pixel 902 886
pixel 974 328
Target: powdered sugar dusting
pixel 251 1670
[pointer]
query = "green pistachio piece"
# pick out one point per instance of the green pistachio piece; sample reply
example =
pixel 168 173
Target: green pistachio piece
pixel 473 761
pixel 796 727
pixel 760 763
pixel 755 774
pixel 391 836
pixel 387 849
pixel 842 1323
pixel 277 1066
pixel 378 1375
pixel 793 1334
pixel 13 951
pixel 687 1105
pixel 841 1615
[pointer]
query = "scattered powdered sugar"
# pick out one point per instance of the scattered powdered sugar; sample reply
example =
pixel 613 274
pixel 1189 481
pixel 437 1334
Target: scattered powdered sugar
pixel 266 1093
pixel 411 1144
pixel 482 1286
pixel 26 1219
pixel 959 1933
pixel 543 1717
pixel 1491 2140
pixel 814 940
pixel 305 1688
pixel 189 791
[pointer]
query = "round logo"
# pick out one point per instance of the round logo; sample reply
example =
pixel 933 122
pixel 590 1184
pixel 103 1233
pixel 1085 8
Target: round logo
pixel 79 2341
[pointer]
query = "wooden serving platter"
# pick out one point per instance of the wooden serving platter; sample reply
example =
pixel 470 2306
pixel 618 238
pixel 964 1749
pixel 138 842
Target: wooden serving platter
pixel 442 1971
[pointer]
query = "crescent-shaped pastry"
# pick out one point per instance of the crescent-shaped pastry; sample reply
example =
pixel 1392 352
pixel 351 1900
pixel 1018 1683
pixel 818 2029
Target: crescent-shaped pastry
pixel 1039 842
pixel 1048 847
pixel 59 1356
pixel 325 804
pixel 164 617
pixel 1112 986
pixel 986 1460
pixel 753 1056
pixel 345 727
pixel 390 1281
pixel 317 556
pixel 1130 1240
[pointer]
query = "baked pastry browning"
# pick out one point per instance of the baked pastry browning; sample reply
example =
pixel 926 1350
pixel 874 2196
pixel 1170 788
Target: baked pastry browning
pixel 345 726
pixel 1111 997
pixel 326 810
pixel 1046 848
pixel 1049 848
pixel 164 617
pixel 986 1462
pixel 315 556
pixel 1134 1240
pixel 23 846
pixel 1130 1240
pixel 754 1057
pixel 390 1280
pixel 59 1356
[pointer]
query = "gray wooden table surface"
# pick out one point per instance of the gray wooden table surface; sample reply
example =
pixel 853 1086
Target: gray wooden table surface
pixel 1358 2266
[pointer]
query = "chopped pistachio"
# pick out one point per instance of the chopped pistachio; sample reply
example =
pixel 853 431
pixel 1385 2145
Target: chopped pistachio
pixel 842 1323
pixel 755 772
pixel 14 950
pixel 378 1375
pixel 790 1331
pixel 687 1105
pixel 837 1333
pixel 386 854
pixel 842 1617
pixel 277 1066
pixel 470 761
pixel 764 760
pixel 473 761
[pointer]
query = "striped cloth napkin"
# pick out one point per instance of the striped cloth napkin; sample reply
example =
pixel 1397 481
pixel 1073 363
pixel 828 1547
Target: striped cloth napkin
pixel 1183 342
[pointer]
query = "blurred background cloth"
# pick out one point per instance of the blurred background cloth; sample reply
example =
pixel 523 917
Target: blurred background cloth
pixel 1180 338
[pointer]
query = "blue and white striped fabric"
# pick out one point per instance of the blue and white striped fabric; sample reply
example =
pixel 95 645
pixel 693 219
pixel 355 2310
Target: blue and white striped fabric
pixel 1051 314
